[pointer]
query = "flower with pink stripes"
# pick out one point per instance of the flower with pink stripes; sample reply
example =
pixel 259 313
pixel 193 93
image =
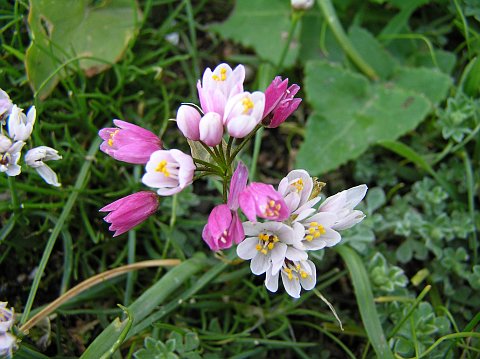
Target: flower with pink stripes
pixel 129 143
pixel 127 212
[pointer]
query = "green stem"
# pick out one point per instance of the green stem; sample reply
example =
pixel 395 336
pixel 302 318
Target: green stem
pixel 293 25
pixel 256 151
pixel 79 184
pixel 337 29
pixel 213 168
pixel 229 149
pixel 13 194
pixel 244 142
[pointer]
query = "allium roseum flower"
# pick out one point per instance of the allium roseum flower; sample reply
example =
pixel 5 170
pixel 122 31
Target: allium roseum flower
pixel 188 122
pixel 5 143
pixel 262 200
pixel 9 159
pixel 5 106
pixel 129 143
pixel 127 212
pixel 243 112
pixel 302 4
pixel 6 317
pixel 35 158
pixel 218 86
pixel 20 126
pixel 295 275
pixel 342 205
pixel 268 244
pixel 211 129
pixel 279 102
pixel 224 226
pixel 318 231
pixel 169 171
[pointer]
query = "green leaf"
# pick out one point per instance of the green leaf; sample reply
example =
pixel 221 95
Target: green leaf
pixel 145 304
pixel 262 25
pixel 366 304
pixel 351 113
pixel 64 31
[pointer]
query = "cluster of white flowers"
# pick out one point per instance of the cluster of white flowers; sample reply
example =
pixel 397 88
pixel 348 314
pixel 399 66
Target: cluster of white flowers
pixel 281 248
pixel 19 129
pixel 7 340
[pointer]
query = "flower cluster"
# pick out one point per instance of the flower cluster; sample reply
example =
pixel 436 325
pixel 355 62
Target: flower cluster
pixel 7 340
pixel 19 129
pixel 282 225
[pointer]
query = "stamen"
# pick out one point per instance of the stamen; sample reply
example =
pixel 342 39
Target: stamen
pixel 223 75
pixel 315 231
pixel 162 167
pixel 247 104
pixel 298 185
pixel 112 135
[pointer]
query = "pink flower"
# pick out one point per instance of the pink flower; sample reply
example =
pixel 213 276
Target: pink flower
pixel 188 120
pixel 279 102
pixel 218 86
pixel 211 129
pixel 262 200
pixel 129 143
pixel 243 112
pixel 224 226
pixel 169 171
pixel 129 211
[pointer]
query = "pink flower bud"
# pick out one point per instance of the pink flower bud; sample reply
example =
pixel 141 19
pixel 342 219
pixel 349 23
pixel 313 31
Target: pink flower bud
pixel 188 120
pixel 129 211
pixel 223 228
pixel 169 171
pixel 279 102
pixel 243 112
pixel 211 129
pixel 262 200
pixel 129 143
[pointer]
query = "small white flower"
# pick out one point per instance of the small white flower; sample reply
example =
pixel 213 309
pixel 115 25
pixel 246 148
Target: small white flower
pixel 20 126
pixel 295 276
pixel 9 159
pixel 268 244
pixel 342 205
pixel 5 143
pixel 35 157
pixel 5 106
pixel 7 344
pixel 6 317
pixel 302 4
pixel 318 231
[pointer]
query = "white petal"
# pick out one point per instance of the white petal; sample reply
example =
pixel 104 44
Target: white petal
pixel 246 249
pixel 292 286
pixel 260 263
pixel 309 282
pixel 295 254
pixel 48 175
pixel 349 220
pixel 271 281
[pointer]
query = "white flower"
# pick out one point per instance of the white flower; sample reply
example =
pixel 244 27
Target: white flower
pixel 5 143
pixel 295 275
pixel 7 344
pixel 268 244
pixel 20 126
pixel 342 205
pixel 5 106
pixel 296 189
pixel 9 159
pixel 35 157
pixel 318 231
pixel 6 317
pixel 302 4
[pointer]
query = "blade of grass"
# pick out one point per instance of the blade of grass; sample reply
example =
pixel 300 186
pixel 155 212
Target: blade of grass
pixel 79 184
pixel 365 301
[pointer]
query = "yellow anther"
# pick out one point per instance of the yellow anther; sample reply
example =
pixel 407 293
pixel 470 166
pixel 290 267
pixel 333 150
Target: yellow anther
pixel 275 239
pixel 271 245
pixel 303 274
pixel 316 234
pixel 110 140
pixel 223 74
pixel 297 267
pixel 278 206
pixel 309 238
pixel 258 247
pixel 321 229
pixel 313 224
pixel 162 167
pixel 271 203
pixel 298 184
pixel 312 230
pixel 247 104
pixel 264 251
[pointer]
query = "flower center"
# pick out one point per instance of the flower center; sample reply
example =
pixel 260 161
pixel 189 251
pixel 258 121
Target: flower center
pixel 223 75
pixel 315 230
pixel 162 167
pixel 273 209
pixel 247 104
pixel 293 271
pixel 110 140
pixel 223 237
pixel 266 242
pixel 5 159
pixel 297 185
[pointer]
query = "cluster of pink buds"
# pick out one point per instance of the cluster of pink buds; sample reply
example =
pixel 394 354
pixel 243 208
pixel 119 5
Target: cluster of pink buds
pixel 281 225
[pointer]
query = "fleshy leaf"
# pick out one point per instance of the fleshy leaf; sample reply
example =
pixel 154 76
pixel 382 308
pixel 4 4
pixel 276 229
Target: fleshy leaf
pixel 65 30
